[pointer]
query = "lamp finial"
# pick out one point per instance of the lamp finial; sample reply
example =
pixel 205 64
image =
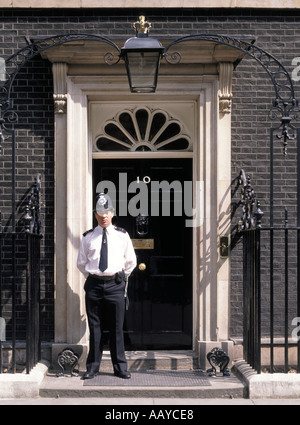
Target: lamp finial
pixel 142 26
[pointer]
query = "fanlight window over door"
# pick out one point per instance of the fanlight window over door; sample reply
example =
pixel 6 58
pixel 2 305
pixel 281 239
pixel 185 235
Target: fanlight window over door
pixel 143 129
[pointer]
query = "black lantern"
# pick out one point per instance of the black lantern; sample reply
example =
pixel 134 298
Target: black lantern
pixel 142 57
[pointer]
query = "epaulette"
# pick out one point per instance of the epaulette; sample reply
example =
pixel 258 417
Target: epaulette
pixel 88 231
pixel 119 229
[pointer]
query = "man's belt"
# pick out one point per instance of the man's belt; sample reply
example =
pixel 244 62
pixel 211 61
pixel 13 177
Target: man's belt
pixel 118 277
pixel 103 278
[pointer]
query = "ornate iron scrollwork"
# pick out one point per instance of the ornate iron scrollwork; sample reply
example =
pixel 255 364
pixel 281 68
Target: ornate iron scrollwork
pixel 218 358
pixel 252 214
pixel 16 61
pixel 31 218
pixel 279 75
pixel 67 358
pixel 285 110
pixel 285 104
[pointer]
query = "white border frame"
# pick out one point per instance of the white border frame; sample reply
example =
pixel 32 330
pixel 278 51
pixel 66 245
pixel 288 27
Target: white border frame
pixel 100 4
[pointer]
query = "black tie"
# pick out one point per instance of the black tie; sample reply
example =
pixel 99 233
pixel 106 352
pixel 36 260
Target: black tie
pixel 103 252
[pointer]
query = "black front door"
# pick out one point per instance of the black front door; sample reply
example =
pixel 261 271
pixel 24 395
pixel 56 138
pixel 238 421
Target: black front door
pixel 151 206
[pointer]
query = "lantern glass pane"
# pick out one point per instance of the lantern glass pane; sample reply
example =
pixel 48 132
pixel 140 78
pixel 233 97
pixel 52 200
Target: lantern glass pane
pixel 142 68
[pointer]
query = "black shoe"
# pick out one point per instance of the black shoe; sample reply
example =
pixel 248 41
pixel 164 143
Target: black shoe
pixel 123 375
pixel 90 375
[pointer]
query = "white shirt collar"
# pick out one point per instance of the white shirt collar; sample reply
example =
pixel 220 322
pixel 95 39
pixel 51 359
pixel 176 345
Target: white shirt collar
pixel 108 229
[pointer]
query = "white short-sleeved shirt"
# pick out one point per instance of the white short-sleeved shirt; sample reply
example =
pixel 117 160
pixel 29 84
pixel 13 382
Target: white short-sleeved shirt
pixel 121 255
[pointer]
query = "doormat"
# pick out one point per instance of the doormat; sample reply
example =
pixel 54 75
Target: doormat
pixel 152 378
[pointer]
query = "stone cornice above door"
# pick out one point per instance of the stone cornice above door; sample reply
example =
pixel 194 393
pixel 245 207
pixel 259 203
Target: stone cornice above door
pixel 193 52
pixel 198 57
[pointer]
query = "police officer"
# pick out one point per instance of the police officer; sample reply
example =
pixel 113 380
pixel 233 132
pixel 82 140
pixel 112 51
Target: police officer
pixel 106 257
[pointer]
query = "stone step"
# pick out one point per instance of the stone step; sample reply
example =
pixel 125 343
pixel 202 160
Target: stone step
pixel 145 384
pixel 163 374
pixel 161 360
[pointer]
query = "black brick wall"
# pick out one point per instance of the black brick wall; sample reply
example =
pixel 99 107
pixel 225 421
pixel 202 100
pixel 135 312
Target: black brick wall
pixel 276 31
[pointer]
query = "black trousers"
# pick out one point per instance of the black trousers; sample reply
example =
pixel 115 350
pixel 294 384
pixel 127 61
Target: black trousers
pixel 105 306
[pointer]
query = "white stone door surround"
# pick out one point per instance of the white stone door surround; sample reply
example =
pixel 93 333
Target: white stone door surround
pixel 211 97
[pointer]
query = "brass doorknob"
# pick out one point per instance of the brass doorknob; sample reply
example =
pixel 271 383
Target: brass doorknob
pixel 142 267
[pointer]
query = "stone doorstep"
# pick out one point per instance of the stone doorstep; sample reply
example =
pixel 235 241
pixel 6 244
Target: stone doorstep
pixel 254 386
pixel 243 383
pixel 212 387
pixel 224 392
pixel 174 360
pixel 43 382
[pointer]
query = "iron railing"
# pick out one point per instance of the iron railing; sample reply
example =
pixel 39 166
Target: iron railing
pixel 20 287
pixel 271 288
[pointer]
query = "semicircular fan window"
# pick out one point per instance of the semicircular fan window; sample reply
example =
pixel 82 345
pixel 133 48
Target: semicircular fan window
pixel 143 130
